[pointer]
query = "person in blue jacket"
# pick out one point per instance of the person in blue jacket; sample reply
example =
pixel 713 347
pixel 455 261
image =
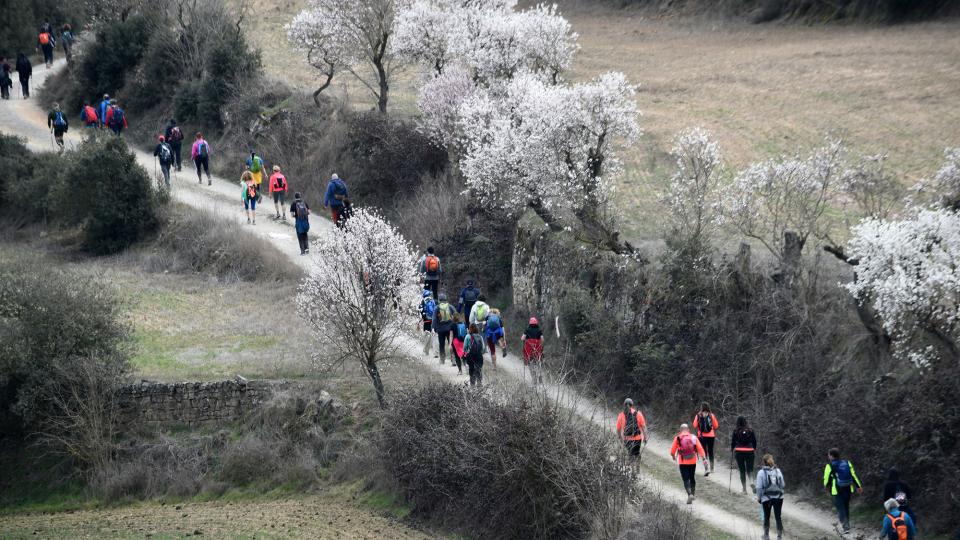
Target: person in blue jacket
pixel 102 109
pixel 336 194
pixel 896 521
pixel 468 297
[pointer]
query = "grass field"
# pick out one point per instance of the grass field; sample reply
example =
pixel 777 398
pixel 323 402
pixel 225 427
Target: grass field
pixel 761 89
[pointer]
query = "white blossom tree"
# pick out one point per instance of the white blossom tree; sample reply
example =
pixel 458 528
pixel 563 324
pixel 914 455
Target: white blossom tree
pixel 441 103
pixel 361 293
pixel 945 185
pixel 547 147
pixel 692 196
pixel 908 271
pixel 357 35
pixel 313 34
pixel 425 31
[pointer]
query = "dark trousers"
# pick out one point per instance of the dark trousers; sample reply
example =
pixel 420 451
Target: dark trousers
pixel 433 285
pixel 442 339
pixel 633 447
pixel 466 312
pixel 25 85
pixel 745 464
pixel 165 169
pixel 777 506
pixel 689 475
pixel 47 53
pixel 707 443
pixel 204 163
pixel 304 243
pixel 176 146
pixel 842 501
pixel 476 371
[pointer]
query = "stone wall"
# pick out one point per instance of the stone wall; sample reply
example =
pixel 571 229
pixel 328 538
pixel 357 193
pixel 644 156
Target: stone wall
pixel 189 403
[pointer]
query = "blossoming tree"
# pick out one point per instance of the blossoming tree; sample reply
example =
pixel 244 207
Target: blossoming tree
pixel 361 293
pixel 693 192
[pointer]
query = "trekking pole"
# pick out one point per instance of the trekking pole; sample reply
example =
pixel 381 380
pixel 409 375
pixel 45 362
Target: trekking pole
pixel 730 475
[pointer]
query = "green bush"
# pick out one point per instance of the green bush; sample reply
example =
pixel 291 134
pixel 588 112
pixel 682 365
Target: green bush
pixel 112 56
pixel 231 65
pixel 109 194
pixel 16 164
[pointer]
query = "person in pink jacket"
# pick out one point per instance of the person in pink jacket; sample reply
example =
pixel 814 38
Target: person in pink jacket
pixel 200 153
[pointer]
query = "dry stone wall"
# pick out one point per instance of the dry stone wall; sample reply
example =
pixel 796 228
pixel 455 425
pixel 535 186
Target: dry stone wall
pixel 189 403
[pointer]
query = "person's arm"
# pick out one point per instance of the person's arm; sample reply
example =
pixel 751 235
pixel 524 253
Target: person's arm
pixel 621 423
pixel 703 454
pixel 826 476
pixel 856 480
pixel 696 422
pixel 674 448
pixel 758 483
pixel 642 422
pixel 156 151
pixel 328 195
pixel 911 527
pixel 753 440
pixel 887 528
pixel 716 423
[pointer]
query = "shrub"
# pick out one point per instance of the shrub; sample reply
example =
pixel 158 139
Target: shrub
pixel 16 167
pixel 107 192
pixel 455 450
pixel 108 60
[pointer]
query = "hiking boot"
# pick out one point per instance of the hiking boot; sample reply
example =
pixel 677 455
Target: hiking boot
pixel 284 217
pixel 754 488
pixel 248 221
pixel 779 535
pixel 690 499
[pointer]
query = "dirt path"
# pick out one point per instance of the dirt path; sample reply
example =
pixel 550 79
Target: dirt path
pixel 734 515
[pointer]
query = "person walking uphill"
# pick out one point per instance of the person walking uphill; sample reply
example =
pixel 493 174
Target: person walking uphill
pixel 200 154
pixel 88 115
pixel 6 80
pixel 102 109
pixel 116 118
pixel 430 270
pixel 164 155
pixel 459 334
pixel 427 308
pixel 897 524
pixel 533 350
pixel 468 297
pixel 248 193
pixel 769 488
pixel 632 427
pixel 706 424
pixel 840 479
pixel 301 215
pixel 278 189
pixel 24 72
pixel 57 122
pixel 443 324
pixel 174 136
pixel 46 42
pixel 743 444
pixel 473 349
pixel 334 197
pixel 686 449
pixel 255 165
pixel 899 491
pixel 67 39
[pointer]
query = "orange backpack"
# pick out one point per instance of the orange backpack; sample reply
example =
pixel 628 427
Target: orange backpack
pixel 432 264
pixel 899 526
pixel 44 38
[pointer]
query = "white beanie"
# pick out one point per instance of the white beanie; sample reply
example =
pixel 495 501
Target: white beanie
pixel 891 504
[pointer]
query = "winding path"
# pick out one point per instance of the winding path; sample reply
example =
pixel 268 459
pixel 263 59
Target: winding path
pixel 727 514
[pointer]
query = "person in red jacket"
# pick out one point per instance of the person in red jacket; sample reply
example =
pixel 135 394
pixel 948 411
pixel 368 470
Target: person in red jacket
pixel 632 427
pixel 278 189
pixel 705 422
pixel 533 350
pixel 685 450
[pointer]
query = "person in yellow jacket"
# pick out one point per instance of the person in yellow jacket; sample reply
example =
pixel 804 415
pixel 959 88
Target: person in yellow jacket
pixel 840 480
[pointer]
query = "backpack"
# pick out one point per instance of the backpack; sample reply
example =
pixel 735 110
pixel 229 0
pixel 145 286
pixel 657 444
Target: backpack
pixel 432 264
pixel 632 427
pixel 252 191
pixel 165 153
pixel 470 295
pixel 175 134
pixel 89 115
pixel 705 423
pixel 899 524
pixel 300 211
pixel 444 315
pixel 476 347
pixel 461 331
pixel 688 446
pixel 493 321
pixel 44 38
pixel 773 489
pixel 257 165
pixel 842 476
pixel 427 308
pixel 116 121
pixel 58 119
pixel 339 190
pixel 202 149
pixel 281 183
pixel 482 312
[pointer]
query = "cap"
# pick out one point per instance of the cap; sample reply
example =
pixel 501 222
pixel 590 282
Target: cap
pixel 684 427
pixel 628 401
pixel 276 168
pixel 890 504
pixel 534 321
pixel 161 138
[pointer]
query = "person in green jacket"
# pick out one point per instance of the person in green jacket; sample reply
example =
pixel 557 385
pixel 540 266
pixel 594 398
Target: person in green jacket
pixel 840 479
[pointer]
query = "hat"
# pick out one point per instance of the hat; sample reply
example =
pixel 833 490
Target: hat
pixel 427 293
pixel 891 504
pixel 534 321
pixel 684 427
pixel 443 296
pixel 162 138
pixel 276 168
pixel 334 176
pixel 628 401
pixel 106 96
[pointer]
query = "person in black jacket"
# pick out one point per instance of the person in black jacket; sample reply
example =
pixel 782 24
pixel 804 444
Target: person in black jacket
pixel 6 82
pixel 743 444
pixel 900 492
pixel 24 71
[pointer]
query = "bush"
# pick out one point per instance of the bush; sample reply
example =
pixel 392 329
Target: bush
pixel 107 192
pixel 470 461
pixel 108 60
pixel 16 167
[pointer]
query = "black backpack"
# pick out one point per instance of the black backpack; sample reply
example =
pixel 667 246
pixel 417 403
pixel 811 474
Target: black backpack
pixel 300 210
pixel 705 423
pixel 476 347
pixel 632 427
pixel 116 121
pixel 470 295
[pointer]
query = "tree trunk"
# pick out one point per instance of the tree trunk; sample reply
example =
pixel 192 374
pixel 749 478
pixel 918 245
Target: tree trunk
pixel 316 93
pixel 790 258
pixel 382 75
pixel 546 215
pixel 374 373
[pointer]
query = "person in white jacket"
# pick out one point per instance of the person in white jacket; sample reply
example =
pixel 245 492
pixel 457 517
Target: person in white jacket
pixel 770 487
pixel 479 312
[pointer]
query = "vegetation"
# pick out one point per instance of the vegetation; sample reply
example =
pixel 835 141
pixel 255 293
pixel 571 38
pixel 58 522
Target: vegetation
pixel 22 20
pixel 761 11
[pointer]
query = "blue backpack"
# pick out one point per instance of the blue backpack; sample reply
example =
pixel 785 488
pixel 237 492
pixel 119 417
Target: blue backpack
pixel 59 120
pixel 461 331
pixel 493 322
pixel 428 308
pixel 841 473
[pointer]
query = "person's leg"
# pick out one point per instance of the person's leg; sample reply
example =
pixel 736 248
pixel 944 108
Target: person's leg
pixel 246 209
pixel 767 505
pixel 708 448
pixel 176 154
pixel 335 215
pixel 777 510
pixel 283 204
pixel 842 502
pixel 165 169
pixel 302 237
pixel 199 170
pixel 427 337
pixel 253 209
pixel 206 170
pixel 688 473
pixel 742 467
pixel 442 344
pixel 276 203
pixel 492 345
pixel 750 476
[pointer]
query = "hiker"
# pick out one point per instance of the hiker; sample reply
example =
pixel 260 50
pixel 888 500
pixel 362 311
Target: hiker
pixel 427 308
pixel 6 81
pixel 174 136
pixel 473 349
pixel 430 270
pixel 301 215
pixel 278 189
pixel 899 491
pixel 443 324
pixel 255 165
pixel 67 38
pixel 102 109
pixel 46 42
pixel 632 427
pixel 706 424
pixel 200 154
pixel 840 480
pixel 46 27
pixel 897 523
pixel 493 331
pixel 685 450
pixel 248 193
pixel 459 334
pixel 769 489
pixel 333 199
pixel 57 122
pixel 24 71
pixel 479 312
pixel 164 155
pixel 88 115
pixel 116 118
pixel 743 445
pixel 468 297
pixel 533 350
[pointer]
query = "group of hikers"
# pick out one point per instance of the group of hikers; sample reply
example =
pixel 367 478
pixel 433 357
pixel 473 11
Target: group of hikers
pixel 106 115
pixel 46 43
pixel 840 479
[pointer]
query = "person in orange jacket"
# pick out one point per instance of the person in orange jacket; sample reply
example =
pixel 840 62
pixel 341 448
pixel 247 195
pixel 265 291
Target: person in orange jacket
pixel 632 427
pixel 685 450
pixel 278 189
pixel 706 424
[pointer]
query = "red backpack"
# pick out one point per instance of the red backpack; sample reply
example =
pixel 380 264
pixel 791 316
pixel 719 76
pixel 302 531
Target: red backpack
pixel 89 115
pixel 432 264
pixel 688 446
